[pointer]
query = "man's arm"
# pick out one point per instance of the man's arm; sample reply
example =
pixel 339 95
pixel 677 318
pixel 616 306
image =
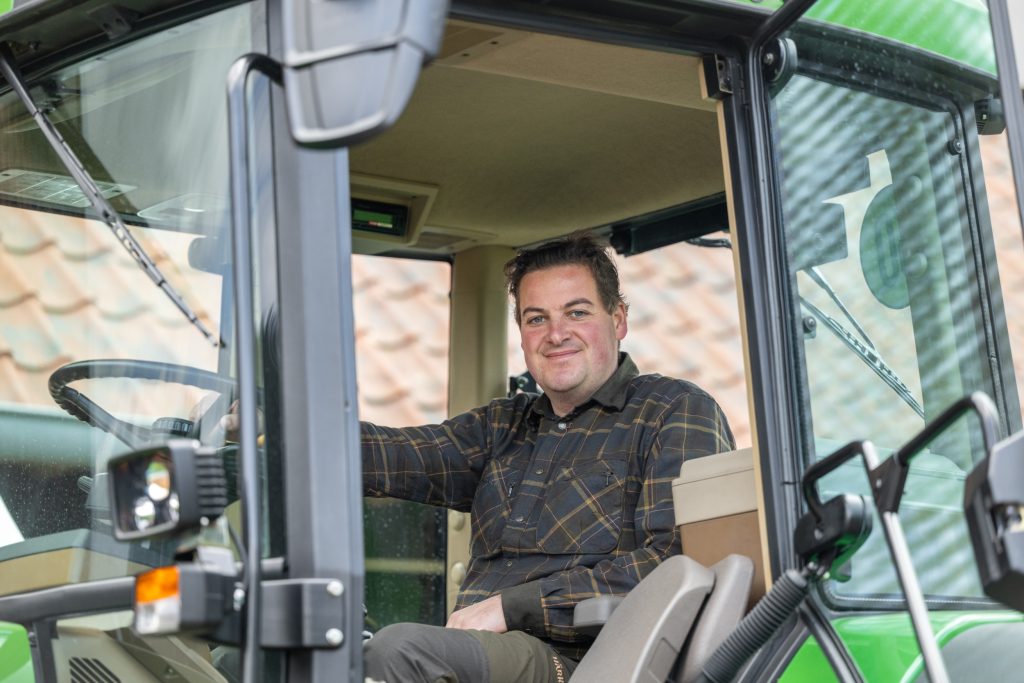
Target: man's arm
pixel 433 464
pixel 694 427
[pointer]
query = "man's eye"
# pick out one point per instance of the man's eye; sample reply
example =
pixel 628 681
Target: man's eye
pixel 535 320
pixel 577 314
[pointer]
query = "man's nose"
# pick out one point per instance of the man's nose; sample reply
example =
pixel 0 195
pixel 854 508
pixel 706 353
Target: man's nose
pixel 558 331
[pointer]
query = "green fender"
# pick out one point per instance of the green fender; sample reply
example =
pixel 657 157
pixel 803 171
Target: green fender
pixel 884 646
pixel 15 655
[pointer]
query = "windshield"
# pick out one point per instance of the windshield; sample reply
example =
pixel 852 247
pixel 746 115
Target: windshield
pixel 902 243
pixel 148 121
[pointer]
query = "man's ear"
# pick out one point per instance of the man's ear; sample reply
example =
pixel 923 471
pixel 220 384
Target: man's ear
pixel 619 316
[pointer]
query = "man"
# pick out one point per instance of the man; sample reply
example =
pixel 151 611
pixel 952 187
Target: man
pixel 570 491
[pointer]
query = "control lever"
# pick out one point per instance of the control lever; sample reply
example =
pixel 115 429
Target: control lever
pixel 825 538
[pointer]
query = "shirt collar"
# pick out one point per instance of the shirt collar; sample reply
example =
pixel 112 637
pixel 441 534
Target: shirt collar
pixel 611 394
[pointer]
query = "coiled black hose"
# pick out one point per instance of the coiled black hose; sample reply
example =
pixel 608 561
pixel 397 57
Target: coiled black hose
pixel 756 628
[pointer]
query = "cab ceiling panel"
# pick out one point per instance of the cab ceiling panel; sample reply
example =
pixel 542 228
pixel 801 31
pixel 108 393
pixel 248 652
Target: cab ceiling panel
pixel 528 135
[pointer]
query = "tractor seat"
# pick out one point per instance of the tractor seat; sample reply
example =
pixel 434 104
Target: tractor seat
pixel 667 627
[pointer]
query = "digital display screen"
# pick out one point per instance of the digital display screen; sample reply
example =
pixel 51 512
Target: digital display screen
pixel 380 217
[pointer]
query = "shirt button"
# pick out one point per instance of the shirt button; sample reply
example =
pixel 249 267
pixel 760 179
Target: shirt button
pixel 562 426
pixel 519 518
pixel 539 470
pixel 508 563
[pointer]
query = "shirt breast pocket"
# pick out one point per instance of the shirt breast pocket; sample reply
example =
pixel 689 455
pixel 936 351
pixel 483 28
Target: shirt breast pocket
pixel 491 507
pixel 582 512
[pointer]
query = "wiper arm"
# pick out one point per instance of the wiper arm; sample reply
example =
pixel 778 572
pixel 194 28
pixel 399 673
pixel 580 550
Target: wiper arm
pixel 85 181
pixel 820 280
pixel 869 355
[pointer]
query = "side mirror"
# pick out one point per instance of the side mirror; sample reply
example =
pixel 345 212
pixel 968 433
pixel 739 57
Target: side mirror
pixel 168 489
pixel 993 505
pixel 350 66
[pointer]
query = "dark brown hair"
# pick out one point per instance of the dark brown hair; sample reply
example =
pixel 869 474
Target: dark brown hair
pixel 579 248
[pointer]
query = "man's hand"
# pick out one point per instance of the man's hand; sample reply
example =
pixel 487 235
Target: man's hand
pixel 485 615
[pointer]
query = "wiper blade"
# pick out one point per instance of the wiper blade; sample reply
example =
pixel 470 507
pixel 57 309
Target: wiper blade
pixel 820 280
pixel 869 355
pixel 85 181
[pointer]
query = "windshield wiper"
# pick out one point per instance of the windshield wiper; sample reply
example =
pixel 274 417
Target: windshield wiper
pixel 85 181
pixel 866 353
pixel 820 280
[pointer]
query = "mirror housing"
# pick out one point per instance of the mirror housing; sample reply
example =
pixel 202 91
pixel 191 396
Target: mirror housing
pixel 993 505
pixel 350 66
pixel 163 490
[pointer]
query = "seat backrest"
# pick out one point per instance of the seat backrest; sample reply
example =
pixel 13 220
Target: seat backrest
pixel 645 634
pixel 716 510
pixel 721 613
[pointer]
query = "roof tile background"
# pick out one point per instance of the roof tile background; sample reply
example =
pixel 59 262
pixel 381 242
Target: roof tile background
pixel 68 292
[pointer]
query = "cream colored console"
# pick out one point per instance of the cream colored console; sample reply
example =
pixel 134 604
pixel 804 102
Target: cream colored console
pixel 715 501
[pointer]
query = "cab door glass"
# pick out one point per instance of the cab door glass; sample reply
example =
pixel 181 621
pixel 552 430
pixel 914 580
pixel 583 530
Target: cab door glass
pixel 82 325
pixel 900 237
pixel 402 314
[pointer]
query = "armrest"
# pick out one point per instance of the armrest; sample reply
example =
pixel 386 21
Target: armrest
pixel 645 635
pixel 591 614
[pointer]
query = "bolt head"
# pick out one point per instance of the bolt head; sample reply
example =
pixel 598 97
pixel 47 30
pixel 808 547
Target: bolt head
pixel 335 588
pixel 334 637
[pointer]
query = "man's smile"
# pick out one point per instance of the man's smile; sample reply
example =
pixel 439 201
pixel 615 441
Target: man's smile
pixel 561 353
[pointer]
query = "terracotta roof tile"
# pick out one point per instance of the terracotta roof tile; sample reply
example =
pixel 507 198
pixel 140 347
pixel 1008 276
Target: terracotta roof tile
pixel 13 286
pixel 401 316
pixel 67 291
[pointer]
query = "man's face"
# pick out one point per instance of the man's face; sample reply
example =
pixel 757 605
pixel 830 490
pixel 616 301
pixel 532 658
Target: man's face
pixel 569 340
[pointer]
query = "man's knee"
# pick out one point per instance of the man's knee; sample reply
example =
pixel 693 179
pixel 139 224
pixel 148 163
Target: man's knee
pixel 394 641
pixel 418 652
pixel 391 648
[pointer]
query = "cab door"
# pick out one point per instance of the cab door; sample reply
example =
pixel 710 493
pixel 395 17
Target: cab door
pixel 348 71
pixel 883 256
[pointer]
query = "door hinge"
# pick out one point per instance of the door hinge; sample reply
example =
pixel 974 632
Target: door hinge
pixel 717 77
pixel 302 614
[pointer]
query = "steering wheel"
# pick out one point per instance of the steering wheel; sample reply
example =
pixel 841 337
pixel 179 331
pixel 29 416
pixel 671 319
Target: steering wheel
pixel 80 406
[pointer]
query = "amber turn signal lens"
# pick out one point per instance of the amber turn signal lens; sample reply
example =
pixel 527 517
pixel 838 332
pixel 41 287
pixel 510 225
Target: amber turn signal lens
pixel 156 584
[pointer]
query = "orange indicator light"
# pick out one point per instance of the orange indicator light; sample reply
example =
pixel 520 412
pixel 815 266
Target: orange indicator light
pixel 156 584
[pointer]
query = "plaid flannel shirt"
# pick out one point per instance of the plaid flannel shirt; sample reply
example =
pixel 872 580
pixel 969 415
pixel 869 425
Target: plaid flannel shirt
pixel 564 508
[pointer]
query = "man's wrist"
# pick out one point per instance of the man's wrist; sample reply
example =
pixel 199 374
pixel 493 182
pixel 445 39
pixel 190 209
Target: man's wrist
pixel 522 608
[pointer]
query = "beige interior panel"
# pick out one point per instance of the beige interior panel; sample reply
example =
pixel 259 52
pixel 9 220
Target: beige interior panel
pixel 477 366
pixel 715 486
pixel 763 564
pixel 83 653
pixel 60 567
pixel 527 136
pixel 711 540
pixel 664 77
pixel 716 510
pixel 525 159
